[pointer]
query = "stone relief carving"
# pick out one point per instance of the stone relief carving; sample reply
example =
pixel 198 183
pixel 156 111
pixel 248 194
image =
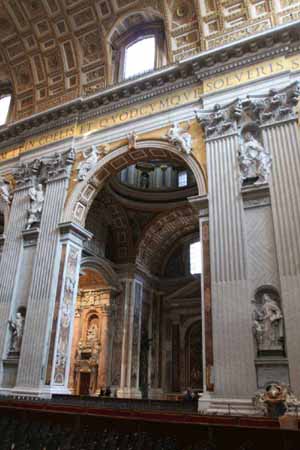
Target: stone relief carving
pixel 4 190
pixel 268 327
pixel 16 327
pixel 90 160
pixel 67 310
pixel 36 196
pixel 254 160
pixel 180 138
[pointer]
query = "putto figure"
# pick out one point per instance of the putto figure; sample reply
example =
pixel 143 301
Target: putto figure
pixel 36 195
pixel 180 138
pixel 255 161
pixel 90 160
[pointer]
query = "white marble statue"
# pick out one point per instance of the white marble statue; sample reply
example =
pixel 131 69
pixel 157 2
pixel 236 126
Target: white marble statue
pixel 4 190
pixel 255 161
pixel 180 138
pixel 36 195
pixel 16 327
pixel 132 138
pixel 268 324
pixel 90 160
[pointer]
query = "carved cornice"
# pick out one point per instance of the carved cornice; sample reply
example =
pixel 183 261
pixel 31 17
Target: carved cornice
pixel 44 169
pixel 261 110
pixel 282 40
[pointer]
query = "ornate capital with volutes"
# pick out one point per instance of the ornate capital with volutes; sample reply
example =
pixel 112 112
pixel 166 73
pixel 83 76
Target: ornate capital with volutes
pixel 220 121
pixel 44 170
pixel 276 106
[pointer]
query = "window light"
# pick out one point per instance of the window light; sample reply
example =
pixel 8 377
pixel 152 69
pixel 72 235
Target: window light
pixel 195 258
pixel 182 178
pixel 139 57
pixel 4 108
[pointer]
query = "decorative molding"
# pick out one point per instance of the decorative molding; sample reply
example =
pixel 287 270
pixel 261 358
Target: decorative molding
pixel 180 75
pixel 45 169
pixel 257 110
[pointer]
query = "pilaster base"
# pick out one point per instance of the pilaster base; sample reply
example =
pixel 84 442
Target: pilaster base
pixel 156 394
pixel 129 393
pixel 207 404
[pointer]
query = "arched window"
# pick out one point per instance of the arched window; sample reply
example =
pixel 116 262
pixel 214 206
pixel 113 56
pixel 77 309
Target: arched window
pixel 137 50
pixel 4 108
pixel 139 57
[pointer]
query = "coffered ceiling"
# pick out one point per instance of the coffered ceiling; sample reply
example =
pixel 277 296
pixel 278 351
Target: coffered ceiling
pixel 53 51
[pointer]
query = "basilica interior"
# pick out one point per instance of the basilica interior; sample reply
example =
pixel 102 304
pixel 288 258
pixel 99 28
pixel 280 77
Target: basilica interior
pixel 149 224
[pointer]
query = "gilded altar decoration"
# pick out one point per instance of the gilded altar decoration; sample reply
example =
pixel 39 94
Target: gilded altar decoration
pixel 180 138
pixel 90 160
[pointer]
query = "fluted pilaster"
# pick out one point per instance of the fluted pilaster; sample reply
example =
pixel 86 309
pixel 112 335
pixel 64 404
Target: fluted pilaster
pixel 10 264
pixel 283 141
pixel 234 372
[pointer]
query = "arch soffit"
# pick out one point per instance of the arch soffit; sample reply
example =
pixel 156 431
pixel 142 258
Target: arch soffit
pixel 103 266
pixel 162 232
pixel 85 191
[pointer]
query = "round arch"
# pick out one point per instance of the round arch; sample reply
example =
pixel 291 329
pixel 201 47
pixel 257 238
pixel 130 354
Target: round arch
pixel 102 266
pixel 83 194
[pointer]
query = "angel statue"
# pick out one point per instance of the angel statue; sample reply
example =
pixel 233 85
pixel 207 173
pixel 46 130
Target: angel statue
pixel 180 138
pixel 89 161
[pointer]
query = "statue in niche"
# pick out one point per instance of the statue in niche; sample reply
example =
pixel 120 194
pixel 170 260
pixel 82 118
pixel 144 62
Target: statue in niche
pixel 254 160
pixel 90 160
pixel 268 325
pixel 36 195
pixel 16 327
pixel 180 138
pixel 92 332
pixel 4 190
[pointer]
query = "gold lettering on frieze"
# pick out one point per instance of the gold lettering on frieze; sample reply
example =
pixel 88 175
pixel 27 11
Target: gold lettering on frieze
pixel 255 72
pixel 181 97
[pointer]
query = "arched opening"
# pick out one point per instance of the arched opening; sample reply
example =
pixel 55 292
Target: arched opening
pixel 5 102
pixel 136 44
pixel 143 234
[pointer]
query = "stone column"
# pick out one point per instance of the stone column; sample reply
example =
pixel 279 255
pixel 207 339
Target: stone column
pixel 10 262
pixel 59 358
pixel 55 173
pixel 155 390
pixel 131 340
pixel 200 204
pixel 233 350
pixel 104 372
pixel 282 138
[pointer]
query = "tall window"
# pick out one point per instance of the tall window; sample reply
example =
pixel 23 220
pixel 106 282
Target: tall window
pixel 182 178
pixel 139 57
pixel 195 258
pixel 4 108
